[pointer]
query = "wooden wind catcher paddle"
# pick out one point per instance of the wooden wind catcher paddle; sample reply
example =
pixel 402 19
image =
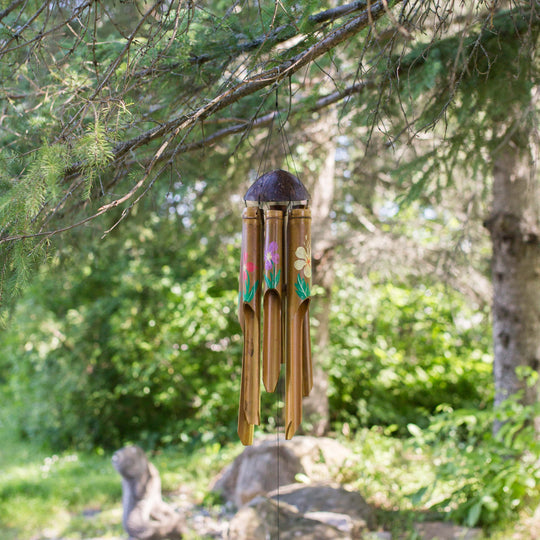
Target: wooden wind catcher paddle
pixel 275 272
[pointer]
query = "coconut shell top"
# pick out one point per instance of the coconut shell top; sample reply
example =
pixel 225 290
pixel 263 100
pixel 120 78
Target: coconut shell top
pixel 277 186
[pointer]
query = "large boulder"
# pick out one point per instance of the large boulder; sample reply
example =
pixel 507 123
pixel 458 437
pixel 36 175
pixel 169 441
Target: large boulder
pixel 270 463
pixel 307 512
pixel 314 501
pixel 440 530
pixel 264 518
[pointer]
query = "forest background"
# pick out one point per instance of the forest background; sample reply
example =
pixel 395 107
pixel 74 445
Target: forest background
pixel 130 132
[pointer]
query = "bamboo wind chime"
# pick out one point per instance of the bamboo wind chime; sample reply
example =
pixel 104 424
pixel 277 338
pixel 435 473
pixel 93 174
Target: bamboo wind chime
pixel 275 264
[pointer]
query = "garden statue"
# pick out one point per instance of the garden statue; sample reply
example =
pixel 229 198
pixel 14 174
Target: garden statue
pixel 146 516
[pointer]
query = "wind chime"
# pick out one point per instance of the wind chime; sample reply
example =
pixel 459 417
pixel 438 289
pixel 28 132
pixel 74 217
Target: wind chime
pixel 275 265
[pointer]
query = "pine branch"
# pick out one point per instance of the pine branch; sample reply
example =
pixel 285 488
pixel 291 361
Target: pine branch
pixel 257 82
pixel 276 36
pixel 171 129
pixel 5 49
pixel 14 5
pixel 266 120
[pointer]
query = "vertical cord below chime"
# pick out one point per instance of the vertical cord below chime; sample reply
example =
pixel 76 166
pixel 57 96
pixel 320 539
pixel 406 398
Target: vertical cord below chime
pixel 280 392
pixel 277 446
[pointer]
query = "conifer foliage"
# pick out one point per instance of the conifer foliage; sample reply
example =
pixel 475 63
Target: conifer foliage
pixel 101 103
pixel 99 99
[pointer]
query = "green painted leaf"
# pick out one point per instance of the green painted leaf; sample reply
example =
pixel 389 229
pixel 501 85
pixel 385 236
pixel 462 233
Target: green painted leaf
pixel 302 287
pixel 276 280
pixel 474 514
pixel 250 291
pixel 272 279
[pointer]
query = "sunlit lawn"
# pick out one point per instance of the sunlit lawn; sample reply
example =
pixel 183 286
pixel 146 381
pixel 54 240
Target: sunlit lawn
pixel 77 495
pixel 40 491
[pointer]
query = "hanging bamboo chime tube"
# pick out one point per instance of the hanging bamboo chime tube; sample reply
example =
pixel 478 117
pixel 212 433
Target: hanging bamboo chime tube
pixel 298 290
pixel 272 299
pixel 276 261
pixel 250 277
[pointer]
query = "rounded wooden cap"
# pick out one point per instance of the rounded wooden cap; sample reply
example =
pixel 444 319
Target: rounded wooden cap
pixel 278 187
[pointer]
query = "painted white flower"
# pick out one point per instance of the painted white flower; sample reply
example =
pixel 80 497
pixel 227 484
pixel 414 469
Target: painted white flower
pixel 303 262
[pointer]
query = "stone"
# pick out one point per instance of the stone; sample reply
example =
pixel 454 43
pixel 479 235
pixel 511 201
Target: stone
pixel 270 463
pixel 322 500
pixel 441 530
pixel 264 518
pixel 307 512
pixel 341 522
pixel 145 514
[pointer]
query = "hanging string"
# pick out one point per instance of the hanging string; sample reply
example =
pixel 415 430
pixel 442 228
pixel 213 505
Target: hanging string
pixel 280 394
pixel 283 133
pixel 278 458
pixel 266 149
pixel 287 151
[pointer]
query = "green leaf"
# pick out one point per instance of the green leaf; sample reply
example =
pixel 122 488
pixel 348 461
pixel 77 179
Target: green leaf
pixel 418 495
pixel 276 281
pixel 414 430
pixel 474 514
pixel 302 287
pixel 249 292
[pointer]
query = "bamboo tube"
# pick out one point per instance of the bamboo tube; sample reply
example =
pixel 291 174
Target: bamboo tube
pixel 250 278
pixel 245 430
pixel 307 366
pixel 241 282
pixel 298 292
pixel 273 265
pixel 251 367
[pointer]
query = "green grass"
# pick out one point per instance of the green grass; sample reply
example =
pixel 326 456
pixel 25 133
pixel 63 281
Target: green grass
pixel 77 495
pixel 44 491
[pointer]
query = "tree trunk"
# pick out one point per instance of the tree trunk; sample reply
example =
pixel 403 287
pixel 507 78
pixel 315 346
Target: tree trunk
pixel 514 226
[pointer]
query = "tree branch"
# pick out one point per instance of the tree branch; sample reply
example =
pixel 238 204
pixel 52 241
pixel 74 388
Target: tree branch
pixel 267 119
pixel 171 129
pixel 10 8
pixel 257 82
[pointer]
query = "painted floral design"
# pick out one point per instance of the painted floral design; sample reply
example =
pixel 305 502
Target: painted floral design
pixel 302 287
pixel 271 258
pixel 247 267
pixel 249 290
pixel 303 264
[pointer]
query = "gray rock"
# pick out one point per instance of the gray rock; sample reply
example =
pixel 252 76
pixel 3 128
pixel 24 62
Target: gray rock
pixel 306 512
pixel 440 530
pixel 311 500
pixel 271 463
pixel 342 522
pixel 264 518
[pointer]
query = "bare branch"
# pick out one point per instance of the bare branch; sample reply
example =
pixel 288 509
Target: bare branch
pixel 267 119
pixel 257 82
pixel 14 5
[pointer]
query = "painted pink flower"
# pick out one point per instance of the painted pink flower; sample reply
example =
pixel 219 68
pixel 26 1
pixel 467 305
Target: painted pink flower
pixel 271 256
pixel 247 267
